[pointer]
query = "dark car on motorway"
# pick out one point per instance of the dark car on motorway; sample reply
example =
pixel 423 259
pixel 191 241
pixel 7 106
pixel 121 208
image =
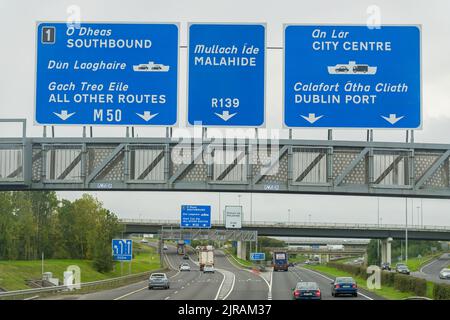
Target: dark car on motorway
pixel 386 266
pixel 344 285
pixel 306 291
pixel 158 280
pixel 186 257
pixel 402 268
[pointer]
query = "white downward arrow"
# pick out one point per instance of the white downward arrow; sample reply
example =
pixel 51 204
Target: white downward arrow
pixel 147 115
pixel 311 118
pixel 225 116
pixel 392 118
pixel 64 115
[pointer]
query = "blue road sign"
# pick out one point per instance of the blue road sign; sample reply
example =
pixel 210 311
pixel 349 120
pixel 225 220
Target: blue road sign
pixel 107 74
pixel 122 249
pixel 187 241
pixel 226 75
pixel 195 216
pixel 352 77
pixel 255 256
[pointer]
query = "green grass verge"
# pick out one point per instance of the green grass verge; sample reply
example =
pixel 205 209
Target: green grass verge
pixel 385 291
pixel 245 263
pixel 414 264
pixel 14 273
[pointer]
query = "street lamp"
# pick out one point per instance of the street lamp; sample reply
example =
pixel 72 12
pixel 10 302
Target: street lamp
pixel 289 215
pixel 309 218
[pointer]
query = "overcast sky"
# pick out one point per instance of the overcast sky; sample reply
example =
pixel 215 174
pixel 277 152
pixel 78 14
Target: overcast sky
pixel 17 68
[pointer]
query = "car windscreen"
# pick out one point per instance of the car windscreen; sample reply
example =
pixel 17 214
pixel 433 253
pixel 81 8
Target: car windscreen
pixel 153 276
pixel 346 280
pixel 307 286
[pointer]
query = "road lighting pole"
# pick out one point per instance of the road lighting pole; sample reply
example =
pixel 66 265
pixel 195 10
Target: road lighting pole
pixel 406 230
pixel 378 220
pixel 289 216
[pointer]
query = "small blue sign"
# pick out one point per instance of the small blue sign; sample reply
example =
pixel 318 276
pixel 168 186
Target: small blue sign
pixel 107 74
pixel 195 216
pixel 187 241
pixel 257 256
pixel 122 249
pixel 226 75
pixel 352 77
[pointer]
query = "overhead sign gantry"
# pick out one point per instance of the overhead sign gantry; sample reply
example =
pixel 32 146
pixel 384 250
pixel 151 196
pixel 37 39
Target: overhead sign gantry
pixel 352 77
pixel 226 75
pixel 107 74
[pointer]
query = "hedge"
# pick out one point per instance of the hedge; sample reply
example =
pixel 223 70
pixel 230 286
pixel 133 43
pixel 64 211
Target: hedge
pixel 400 282
pixel 441 291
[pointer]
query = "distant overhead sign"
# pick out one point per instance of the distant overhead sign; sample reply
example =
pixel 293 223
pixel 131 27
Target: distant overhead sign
pixel 352 76
pixel 226 74
pixel 195 216
pixel 233 217
pixel 107 74
pixel 122 249
pixel 255 256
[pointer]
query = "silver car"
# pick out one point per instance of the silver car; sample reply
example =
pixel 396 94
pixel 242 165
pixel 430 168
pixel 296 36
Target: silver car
pixel 444 274
pixel 158 280
pixel 185 267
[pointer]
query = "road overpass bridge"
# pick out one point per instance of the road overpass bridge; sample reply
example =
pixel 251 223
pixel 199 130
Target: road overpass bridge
pixel 296 229
pixel 324 242
pixel 323 230
pixel 240 165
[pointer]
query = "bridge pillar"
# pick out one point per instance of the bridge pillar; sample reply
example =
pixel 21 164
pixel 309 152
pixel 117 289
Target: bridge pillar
pixel 386 250
pixel 242 250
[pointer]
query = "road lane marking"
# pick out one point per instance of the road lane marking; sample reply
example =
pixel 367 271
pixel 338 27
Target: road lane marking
pixel 362 294
pixel 220 287
pixel 269 293
pixel 130 293
pixel 166 298
pixel 139 290
pixel 427 265
pixel 232 287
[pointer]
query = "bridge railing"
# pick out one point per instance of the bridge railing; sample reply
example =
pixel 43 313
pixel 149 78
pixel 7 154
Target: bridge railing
pixel 274 224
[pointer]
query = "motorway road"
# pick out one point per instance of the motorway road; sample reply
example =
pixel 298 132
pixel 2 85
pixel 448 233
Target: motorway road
pixel 187 285
pixel 193 285
pixel 247 285
pixel 244 284
pixel 431 270
pixel 283 282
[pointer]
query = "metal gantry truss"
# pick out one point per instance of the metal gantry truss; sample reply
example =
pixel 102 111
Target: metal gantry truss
pixel 285 166
pixel 208 234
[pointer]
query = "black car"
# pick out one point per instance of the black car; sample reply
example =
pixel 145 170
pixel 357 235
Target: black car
pixel 186 257
pixel 306 291
pixel 386 266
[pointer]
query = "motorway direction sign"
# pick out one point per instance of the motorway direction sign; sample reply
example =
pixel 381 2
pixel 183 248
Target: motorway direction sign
pixel 226 75
pixel 352 76
pixel 257 256
pixel 107 74
pixel 233 217
pixel 122 249
pixel 193 216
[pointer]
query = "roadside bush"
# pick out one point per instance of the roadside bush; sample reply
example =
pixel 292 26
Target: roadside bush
pixel 387 278
pixel 441 291
pixel 410 284
pixel 398 281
